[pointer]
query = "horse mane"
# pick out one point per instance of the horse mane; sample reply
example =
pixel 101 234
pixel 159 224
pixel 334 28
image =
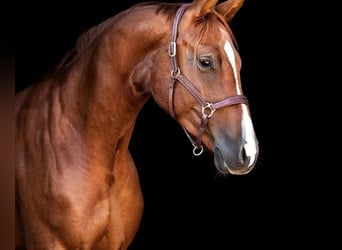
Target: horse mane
pixel 90 36
pixel 93 34
pixel 84 41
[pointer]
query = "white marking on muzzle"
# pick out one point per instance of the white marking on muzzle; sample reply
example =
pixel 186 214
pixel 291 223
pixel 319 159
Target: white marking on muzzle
pixel 246 124
pixel 249 135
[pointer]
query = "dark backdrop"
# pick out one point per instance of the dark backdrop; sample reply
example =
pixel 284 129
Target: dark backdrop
pixel 187 206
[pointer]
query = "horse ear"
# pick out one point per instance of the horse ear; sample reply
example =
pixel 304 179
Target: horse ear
pixel 203 7
pixel 229 8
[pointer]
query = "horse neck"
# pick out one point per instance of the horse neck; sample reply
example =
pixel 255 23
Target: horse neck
pixel 109 98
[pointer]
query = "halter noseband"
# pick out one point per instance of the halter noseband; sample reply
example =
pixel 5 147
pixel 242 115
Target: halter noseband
pixel 208 108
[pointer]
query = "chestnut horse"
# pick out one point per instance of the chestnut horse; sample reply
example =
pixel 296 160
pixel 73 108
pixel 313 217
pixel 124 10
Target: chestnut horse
pixel 77 186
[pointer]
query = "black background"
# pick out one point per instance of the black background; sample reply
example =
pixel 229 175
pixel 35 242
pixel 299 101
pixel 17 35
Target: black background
pixel 187 206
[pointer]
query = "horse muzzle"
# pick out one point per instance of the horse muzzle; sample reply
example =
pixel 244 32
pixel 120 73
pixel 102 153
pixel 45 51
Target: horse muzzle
pixel 235 159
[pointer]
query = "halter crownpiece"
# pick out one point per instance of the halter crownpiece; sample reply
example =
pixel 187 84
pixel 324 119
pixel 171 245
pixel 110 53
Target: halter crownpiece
pixel 208 108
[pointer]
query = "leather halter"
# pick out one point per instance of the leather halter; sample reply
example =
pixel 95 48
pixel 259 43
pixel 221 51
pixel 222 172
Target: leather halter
pixel 208 108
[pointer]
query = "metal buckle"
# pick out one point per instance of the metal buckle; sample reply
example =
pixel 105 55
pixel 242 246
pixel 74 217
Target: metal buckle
pixel 211 108
pixel 172 49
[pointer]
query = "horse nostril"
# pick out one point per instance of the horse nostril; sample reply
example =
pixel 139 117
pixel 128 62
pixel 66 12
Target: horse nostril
pixel 245 158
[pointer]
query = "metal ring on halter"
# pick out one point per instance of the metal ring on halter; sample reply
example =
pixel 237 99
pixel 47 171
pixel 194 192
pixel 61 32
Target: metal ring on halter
pixel 195 148
pixel 175 73
pixel 211 108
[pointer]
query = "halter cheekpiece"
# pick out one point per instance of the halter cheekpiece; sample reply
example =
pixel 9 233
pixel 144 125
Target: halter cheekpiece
pixel 208 108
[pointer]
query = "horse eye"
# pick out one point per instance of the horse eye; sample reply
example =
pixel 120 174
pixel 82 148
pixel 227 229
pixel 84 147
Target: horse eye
pixel 206 62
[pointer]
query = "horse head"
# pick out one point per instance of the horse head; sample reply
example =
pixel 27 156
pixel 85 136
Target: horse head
pixel 205 93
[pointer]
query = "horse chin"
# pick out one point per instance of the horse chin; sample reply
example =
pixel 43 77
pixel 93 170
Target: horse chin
pixel 226 167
